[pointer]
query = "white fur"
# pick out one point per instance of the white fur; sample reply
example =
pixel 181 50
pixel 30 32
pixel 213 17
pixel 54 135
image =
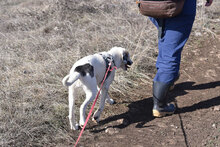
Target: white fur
pixel 91 85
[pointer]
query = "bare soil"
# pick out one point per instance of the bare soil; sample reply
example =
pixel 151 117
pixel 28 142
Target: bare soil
pixel 195 123
pixel 41 39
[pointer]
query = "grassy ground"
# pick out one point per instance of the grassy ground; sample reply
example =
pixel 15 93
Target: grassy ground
pixel 41 39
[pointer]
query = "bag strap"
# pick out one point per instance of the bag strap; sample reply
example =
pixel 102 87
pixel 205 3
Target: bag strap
pixel 161 24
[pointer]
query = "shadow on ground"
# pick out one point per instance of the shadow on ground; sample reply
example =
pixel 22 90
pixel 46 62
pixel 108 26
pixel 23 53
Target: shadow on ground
pixel 180 89
pixel 140 111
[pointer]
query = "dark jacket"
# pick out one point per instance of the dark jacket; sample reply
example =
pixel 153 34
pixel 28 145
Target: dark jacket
pixel 189 7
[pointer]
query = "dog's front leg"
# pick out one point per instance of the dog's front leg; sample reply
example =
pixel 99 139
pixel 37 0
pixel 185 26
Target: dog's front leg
pixel 109 100
pixel 98 112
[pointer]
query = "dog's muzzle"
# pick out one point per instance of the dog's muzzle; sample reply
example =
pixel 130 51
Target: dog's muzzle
pixel 128 64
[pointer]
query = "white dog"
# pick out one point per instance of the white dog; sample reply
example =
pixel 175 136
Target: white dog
pixel 90 71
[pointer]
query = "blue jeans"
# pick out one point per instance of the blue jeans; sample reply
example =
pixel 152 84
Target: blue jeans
pixel 176 33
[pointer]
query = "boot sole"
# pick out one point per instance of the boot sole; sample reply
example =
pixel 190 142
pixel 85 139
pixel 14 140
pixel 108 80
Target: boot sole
pixel 156 113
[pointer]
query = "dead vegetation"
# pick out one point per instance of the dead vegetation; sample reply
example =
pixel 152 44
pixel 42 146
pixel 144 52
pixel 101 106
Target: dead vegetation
pixel 39 42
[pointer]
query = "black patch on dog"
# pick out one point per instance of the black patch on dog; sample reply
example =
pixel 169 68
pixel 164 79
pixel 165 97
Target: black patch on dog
pixel 84 69
pixel 125 56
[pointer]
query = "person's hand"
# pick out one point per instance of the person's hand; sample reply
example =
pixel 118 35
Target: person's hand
pixel 208 3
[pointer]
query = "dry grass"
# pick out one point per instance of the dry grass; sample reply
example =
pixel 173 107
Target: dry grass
pixel 41 39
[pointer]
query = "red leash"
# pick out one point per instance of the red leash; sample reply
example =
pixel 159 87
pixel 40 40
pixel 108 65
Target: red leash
pixel 93 105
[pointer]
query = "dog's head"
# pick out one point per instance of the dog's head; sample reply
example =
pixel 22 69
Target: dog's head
pixel 127 62
pixel 121 57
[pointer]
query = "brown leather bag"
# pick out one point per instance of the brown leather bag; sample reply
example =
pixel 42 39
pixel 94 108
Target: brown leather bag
pixel 160 8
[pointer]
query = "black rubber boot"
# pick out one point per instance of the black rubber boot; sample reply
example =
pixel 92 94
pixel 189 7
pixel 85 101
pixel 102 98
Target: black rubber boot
pixel 161 108
pixel 173 85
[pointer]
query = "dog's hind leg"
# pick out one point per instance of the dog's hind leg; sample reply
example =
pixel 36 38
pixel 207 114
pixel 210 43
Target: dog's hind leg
pixel 90 89
pixel 72 95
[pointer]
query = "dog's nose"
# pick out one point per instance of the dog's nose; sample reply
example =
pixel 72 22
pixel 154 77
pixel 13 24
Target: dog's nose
pixel 129 62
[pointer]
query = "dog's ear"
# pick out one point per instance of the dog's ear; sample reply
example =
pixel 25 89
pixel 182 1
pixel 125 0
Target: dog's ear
pixel 125 56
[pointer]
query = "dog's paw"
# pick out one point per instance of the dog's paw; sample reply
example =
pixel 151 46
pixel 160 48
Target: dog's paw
pixel 95 119
pixel 81 124
pixel 76 127
pixel 110 101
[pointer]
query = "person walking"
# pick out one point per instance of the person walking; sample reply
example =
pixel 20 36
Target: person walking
pixel 173 35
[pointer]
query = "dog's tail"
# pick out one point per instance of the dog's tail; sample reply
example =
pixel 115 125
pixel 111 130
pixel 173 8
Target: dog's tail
pixel 70 79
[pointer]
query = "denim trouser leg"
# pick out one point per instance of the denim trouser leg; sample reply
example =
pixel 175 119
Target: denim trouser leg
pixel 176 33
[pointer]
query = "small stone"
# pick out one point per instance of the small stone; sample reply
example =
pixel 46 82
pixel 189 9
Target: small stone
pixel 176 127
pixel 198 34
pixel 121 136
pixel 217 108
pixel 120 121
pixel 56 28
pixel 111 131
pixel 214 126
pixel 123 121
pixel 161 125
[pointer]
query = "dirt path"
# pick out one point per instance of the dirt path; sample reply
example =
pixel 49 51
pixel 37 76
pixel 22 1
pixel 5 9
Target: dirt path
pixel 41 39
pixel 195 123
